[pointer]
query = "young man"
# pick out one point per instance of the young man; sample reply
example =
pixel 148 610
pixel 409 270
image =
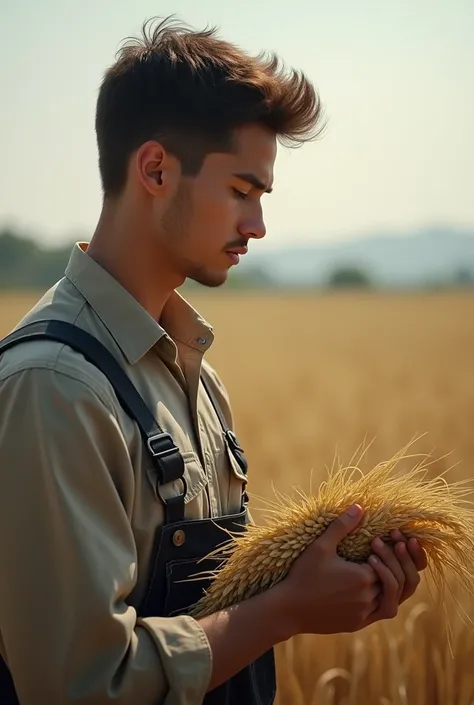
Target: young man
pixel 103 515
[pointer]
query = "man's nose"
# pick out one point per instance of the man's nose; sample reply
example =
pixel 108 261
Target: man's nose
pixel 254 227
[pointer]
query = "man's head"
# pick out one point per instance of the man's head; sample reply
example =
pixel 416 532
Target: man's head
pixel 187 128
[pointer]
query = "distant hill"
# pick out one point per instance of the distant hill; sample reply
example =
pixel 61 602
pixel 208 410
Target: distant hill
pixel 24 264
pixel 430 257
pixel 400 260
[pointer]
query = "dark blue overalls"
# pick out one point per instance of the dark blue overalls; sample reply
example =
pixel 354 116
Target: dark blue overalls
pixel 179 543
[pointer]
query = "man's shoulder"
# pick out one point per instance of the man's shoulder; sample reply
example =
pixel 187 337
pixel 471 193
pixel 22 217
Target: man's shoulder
pixel 32 357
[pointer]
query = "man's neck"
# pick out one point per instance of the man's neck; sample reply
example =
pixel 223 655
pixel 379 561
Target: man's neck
pixel 132 259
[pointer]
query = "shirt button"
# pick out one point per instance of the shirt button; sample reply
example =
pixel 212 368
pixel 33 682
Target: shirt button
pixel 179 537
pixel 202 341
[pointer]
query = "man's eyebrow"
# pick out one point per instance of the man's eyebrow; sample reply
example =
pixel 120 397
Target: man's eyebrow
pixel 252 179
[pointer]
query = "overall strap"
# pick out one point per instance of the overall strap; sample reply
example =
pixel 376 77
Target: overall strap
pixel 165 455
pixel 229 435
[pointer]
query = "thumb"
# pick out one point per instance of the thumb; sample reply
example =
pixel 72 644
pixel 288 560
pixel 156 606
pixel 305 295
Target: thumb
pixel 340 527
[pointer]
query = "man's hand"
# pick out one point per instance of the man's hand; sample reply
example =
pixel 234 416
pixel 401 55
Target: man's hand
pixel 322 594
pixel 405 560
pixel 325 594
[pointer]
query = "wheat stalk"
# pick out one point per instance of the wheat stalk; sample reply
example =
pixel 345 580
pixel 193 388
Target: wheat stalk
pixel 428 509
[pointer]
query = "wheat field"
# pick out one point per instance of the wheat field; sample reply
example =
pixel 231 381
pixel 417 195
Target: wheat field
pixel 315 376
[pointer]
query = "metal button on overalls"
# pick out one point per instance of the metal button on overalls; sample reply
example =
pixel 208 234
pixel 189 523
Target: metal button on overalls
pixel 179 537
pixel 169 596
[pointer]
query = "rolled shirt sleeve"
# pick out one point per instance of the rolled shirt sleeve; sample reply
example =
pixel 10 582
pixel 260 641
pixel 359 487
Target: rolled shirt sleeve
pixel 68 558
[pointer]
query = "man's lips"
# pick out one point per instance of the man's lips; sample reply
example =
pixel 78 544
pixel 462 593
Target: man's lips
pixel 238 250
pixel 235 252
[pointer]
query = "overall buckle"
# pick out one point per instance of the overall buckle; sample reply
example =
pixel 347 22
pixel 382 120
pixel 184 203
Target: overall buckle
pixel 161 445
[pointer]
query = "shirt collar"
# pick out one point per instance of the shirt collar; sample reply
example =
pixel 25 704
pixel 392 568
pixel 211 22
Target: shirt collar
pixel 132 327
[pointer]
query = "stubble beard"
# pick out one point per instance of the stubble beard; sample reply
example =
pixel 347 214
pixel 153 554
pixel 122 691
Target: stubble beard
pixel 176 224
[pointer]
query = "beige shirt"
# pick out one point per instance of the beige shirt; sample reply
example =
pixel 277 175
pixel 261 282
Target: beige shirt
pixel 78 502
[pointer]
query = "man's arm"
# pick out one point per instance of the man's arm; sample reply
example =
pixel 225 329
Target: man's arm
pixel 68 562
pixel 68 558
pixel 322 594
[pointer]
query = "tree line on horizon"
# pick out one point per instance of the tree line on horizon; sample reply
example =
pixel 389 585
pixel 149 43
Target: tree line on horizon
pixel 26 265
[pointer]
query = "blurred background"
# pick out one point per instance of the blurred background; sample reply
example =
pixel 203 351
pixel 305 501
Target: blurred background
pixel 388 190
pixel 352 322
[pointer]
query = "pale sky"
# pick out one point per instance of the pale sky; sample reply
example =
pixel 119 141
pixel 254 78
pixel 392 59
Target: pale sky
pixel 396 80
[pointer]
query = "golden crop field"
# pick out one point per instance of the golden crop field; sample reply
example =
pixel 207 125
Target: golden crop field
pixel 311 376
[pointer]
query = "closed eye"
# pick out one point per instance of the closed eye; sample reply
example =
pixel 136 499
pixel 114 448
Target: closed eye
pixel 240 194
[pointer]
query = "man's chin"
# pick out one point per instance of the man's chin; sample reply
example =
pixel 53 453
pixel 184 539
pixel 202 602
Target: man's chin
pixel 210 278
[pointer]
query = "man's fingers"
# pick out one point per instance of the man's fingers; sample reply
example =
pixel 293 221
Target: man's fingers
pixel 418 554
pixel 412 578
pixel 397 536
pixel 390 560
pixel 340 527
pixel 397 571
pixel 388 604
pixel 371 574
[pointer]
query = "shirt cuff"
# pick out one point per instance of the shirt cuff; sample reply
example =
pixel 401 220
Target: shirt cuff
pixel 185 655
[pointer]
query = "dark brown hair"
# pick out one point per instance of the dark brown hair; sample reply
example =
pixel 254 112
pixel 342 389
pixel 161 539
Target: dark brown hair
pixel 190 90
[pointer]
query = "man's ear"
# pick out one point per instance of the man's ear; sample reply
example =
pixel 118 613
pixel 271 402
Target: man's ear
pixel 155 168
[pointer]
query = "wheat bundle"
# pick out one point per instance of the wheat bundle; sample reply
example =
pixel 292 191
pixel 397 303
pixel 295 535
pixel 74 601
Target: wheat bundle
pixel 426 508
